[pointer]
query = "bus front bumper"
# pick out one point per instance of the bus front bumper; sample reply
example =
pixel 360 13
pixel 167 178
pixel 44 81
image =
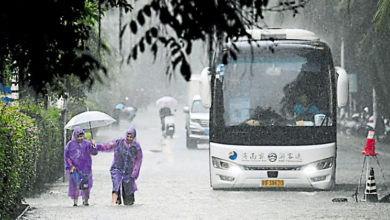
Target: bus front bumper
pixel 321 179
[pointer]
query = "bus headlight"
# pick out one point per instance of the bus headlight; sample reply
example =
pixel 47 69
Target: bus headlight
pixel 224 165
pixel 319 165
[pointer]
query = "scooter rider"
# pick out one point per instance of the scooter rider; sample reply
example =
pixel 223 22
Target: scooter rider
pixel 164 111
pixel 365 114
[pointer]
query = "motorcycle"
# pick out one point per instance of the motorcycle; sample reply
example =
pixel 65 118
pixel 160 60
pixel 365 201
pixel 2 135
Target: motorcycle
pixel 129 113
pixel 387 130
pixel 355 126
pixel 169 126
pixel 382 130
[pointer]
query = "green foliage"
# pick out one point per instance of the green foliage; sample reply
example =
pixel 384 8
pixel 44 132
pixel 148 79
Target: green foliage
pixel 382 16
pixel 31 152
pixel 19 148
pixel 90 16
pixel 6 72
pixel 364 26
pixel 47 38
pixel 188 21
pixel 50 160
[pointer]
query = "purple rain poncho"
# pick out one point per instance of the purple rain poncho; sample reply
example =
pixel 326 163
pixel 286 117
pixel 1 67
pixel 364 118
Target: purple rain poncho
pixel 79 155
pixel 127 160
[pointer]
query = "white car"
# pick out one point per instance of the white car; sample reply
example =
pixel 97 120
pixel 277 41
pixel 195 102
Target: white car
pixel 197 123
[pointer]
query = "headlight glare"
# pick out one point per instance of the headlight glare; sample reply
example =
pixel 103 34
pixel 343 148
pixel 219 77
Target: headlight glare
pixel 224 165
pixel 319 165
pixel 310 169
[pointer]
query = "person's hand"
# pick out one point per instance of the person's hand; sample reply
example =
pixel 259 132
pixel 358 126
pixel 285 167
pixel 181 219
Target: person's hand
pixel 133 174
pixel 93 143
pixel 71 170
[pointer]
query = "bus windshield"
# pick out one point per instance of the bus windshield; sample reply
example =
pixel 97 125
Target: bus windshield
pixel 284 87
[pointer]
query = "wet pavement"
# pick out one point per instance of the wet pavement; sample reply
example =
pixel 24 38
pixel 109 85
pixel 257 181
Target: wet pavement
pixel 174 184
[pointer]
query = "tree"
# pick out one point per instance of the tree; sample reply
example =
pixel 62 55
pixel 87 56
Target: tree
pixel 182 22
pixel 364 26
pixel 47 40
pixel 382 16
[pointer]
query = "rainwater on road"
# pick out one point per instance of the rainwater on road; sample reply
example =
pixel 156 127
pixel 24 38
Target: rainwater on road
pixel 174 184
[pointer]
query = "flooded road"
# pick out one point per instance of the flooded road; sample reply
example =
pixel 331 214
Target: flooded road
pixel 174 184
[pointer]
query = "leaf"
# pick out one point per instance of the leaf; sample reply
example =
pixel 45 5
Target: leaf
pixel 165 17
pixel 168 70
pixel 155 5
pixel 141 45
pixel 148 37
pixel 135 51
pixel 189 47
pixel 163 40
pixel 185 70
pixel 147 10
pixel 154 32
pixel 176 50
pixel 154 50
pixel 129 59
pixel 133 27
pixel 173 43
pixel 176 61
pixel 141 18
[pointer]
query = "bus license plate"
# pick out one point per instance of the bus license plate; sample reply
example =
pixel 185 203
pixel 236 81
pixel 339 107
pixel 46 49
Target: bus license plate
pixel 272 183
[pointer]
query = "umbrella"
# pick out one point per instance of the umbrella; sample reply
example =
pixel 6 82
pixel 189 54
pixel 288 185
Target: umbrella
pixel 166 101
pixel 89 120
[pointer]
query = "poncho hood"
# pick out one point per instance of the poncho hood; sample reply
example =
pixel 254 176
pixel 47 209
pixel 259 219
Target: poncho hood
pixel 76 131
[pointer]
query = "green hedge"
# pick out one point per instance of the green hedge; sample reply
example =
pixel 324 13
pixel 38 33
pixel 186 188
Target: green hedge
pixel 50 164
pixel 31 152
pixel 19 148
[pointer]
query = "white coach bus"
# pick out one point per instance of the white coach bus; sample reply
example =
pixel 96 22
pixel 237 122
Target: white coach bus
pixel 273 111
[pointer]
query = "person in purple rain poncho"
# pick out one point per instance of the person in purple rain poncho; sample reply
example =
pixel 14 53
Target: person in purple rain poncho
pixel 78 163
pixel 125 167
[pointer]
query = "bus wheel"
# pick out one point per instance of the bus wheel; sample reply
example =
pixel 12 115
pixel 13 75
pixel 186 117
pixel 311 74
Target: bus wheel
pixel 332 183
pixel 333 179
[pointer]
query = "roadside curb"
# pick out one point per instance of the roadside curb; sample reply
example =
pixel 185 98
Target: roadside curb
pixel 23 212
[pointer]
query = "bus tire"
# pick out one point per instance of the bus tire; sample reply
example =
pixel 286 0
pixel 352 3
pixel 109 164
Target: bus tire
pixel 332 183
pixel 333 179
pixel 216 188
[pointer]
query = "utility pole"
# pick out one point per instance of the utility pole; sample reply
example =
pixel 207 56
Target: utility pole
pixel 374 107
pixel 65 117
pixel 343 66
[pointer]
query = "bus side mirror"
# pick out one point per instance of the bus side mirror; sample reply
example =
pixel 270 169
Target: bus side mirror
pixel 205 88
pixel 342 87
